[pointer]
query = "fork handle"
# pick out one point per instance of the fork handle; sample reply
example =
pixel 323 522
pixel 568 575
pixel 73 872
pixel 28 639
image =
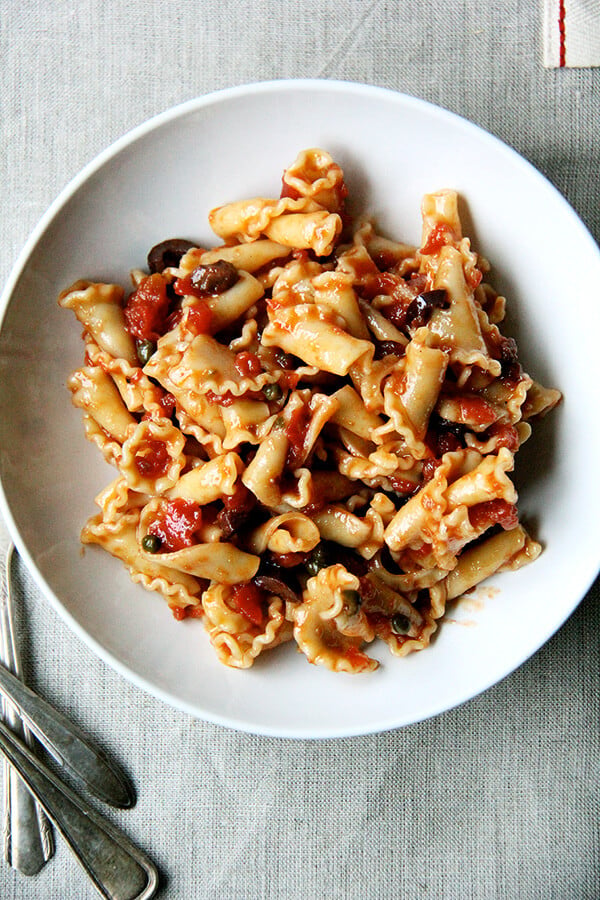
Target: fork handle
pixel 118 870
pixel 26 832
pixel 28 842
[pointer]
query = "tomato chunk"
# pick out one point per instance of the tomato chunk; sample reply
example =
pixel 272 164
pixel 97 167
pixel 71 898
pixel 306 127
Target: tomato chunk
pixel 246 599
pixel 247 363
pixel 152 459
pixel 176 524
pixel 199 318
pixel 147 309
pixel 180 613
pixel 437 238
pixel 507 435
pixel 494 512
pixel 477 411
pixel 295 431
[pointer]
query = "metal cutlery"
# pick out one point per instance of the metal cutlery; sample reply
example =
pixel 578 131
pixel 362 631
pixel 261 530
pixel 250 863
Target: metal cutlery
pixel 118 869
pixel 67 744
pixel 27 833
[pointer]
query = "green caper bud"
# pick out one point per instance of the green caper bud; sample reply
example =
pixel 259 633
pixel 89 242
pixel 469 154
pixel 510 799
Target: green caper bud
pixel 279 422
pixel 145 350
pixel 272 392
pixel 151 543
pixel 400 624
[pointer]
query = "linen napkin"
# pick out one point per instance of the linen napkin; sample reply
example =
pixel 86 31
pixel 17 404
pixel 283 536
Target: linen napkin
pixel 571 33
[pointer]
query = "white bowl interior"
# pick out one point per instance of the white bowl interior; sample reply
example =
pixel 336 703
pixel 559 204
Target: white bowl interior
pixel 160 182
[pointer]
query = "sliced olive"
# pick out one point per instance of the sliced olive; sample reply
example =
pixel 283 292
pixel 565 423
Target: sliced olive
pixel 215 278
pixel 422 307
pixel 144 350
pixel 389 348
pixel 276 586
pixel 400 624
pixel 151 543
pixel 167 254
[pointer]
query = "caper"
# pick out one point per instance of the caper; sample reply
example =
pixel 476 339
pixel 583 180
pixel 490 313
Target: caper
pixel 145 350
pixel 400 624
pixel 272 392
pixel 151 543
pixel 279 422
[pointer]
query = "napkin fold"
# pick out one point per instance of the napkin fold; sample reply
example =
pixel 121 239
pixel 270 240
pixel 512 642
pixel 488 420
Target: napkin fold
pixel 571 33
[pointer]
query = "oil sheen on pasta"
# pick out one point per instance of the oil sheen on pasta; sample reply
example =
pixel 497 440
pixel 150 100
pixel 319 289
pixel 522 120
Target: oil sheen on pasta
pixel 312 425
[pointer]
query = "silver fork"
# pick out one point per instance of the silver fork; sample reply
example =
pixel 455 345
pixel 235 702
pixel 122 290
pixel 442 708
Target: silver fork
pixel 117 868
pixel 26 831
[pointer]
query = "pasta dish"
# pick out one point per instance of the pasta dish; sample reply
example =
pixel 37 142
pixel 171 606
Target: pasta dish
pixel 312 425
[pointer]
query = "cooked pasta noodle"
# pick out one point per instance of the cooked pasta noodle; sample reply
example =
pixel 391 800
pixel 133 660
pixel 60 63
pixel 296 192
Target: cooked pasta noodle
pixel 313 424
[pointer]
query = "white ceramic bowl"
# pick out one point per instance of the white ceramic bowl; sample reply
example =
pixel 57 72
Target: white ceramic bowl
pixel 160 181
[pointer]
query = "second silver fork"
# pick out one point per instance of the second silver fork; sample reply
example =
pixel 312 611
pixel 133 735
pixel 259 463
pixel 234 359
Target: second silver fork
pixel 26 831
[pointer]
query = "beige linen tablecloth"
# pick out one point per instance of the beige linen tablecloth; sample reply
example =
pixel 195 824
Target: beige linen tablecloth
pixel 496 799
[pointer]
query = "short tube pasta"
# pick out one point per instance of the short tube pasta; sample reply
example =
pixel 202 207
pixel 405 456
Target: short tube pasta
pixel 313 424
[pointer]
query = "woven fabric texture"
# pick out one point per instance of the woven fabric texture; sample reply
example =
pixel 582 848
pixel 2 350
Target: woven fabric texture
pixel 496 799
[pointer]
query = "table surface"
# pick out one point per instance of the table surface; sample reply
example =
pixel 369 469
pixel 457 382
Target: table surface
pixel 495 799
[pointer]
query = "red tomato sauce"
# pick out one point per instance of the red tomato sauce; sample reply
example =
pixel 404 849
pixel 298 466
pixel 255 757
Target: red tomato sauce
pixel 507 435
pixel 375 283
pixel 147 308
pixel 494 512
pixel 476 411
pixel 288 191
pixel 152 459
pixel 438 237
pixel 288 380
pixel 429 467
pixel 187 612
pixel 403 485
pixel 185 288
pixel 247 363
pixel 242 499
pixel 289 560
pixel 296 434
pixel 199 318
pixel 176 525
pixel 247 600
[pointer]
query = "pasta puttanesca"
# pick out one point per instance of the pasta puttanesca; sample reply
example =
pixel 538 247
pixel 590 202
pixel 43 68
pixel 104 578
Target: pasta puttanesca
pixel 313 425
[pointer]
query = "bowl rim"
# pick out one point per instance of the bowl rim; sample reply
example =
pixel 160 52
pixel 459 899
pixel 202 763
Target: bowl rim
pixel 126 140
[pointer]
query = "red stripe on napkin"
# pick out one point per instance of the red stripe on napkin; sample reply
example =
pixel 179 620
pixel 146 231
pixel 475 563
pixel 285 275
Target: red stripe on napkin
pixel 562 52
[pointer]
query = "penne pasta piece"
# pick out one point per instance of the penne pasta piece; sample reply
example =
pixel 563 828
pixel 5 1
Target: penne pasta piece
pixel 120 540
pixel 353 414
pixel 214 561
pixel 441 221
